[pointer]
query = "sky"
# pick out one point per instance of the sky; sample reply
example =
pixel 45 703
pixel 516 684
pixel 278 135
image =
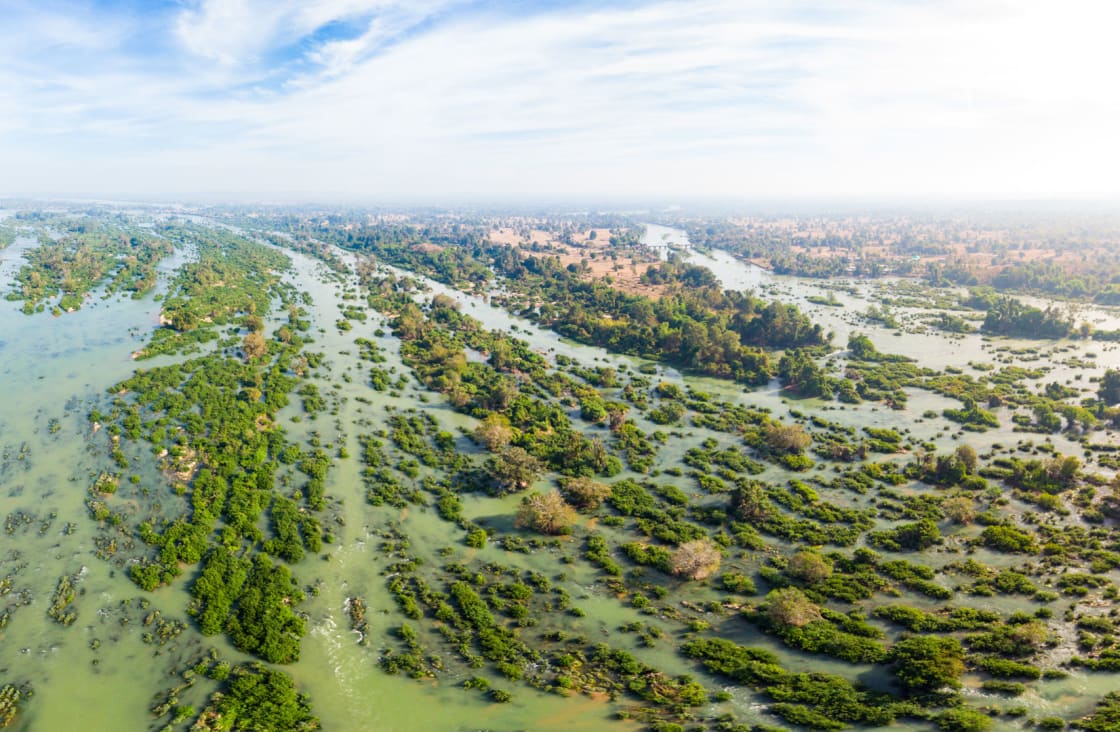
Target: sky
pixel 378 100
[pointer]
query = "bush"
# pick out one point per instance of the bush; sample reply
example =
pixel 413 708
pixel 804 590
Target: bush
pixel 928 663
pixel 809 566
pixel 738 583
pixel 963 719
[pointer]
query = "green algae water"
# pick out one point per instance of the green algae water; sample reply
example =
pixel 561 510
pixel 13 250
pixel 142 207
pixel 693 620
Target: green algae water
pixel 102 669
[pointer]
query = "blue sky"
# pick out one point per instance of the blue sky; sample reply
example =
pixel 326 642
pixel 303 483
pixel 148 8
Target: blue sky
pixel 418 99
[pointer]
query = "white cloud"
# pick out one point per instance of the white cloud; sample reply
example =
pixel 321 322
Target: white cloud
pixel 673 98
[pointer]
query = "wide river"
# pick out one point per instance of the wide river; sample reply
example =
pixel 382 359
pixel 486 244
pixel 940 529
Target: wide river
pixel 100 674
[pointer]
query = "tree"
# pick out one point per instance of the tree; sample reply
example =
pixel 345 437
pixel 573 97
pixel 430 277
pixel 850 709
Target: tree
pixel 1109 389
pixel 787 438
pixel 584 492
pixel 809 566
pixel 254 346
pixel 959 509
pixel 799 372
pixel 789 606
pixel 1030 637
pixel 924 663
pixel 617 412
pixel 494 432
pixel 968 458
pixel 1064 470
pixel 257 699
pixel 1047 420
pixel 513 469
pixel 695 560
pixel 750 503
pixel 545 512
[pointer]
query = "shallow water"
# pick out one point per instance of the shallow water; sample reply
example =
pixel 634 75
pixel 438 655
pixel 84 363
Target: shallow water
pixel 58 368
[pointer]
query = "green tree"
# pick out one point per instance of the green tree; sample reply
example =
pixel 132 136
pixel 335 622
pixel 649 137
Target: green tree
pixel 968 458
pixel 809 566
pixel 512 470
pixel 257 699
pixel 585 493
pixel 1109 389
pixel 963 719
pixel 924 663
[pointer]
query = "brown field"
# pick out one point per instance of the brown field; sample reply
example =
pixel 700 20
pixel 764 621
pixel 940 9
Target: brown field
pixel 624 269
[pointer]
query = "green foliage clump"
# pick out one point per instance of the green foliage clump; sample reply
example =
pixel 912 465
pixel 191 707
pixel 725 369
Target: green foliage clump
pixel 257 699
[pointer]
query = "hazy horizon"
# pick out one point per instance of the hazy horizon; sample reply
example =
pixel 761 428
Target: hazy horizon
pixel 369 101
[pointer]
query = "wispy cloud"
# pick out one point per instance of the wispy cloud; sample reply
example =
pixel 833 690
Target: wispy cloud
pixel 733 97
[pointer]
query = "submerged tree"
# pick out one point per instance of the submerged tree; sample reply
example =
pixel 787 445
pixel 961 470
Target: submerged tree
pixel 695 560
pixel 810 566
pixel 585 493
pixel 1109 389
pixel 926 663
pixel 545 512
pixel 790 606
pixel 787 438
pixel 512 470
pixel 254 346
pixel 494 432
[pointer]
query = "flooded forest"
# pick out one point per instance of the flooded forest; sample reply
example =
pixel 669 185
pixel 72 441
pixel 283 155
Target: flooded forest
pixel 294 469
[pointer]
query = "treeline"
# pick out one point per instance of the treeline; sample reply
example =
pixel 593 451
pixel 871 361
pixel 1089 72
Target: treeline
pixel 696 326
pixel 1098 280
pixel 454 254
pixel 702 329
pixel 1010 317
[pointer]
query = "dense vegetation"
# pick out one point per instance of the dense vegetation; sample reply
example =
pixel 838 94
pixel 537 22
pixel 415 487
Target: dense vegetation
pixel 212 423
pixel 604 527
pixel 86 255
pixel 697 326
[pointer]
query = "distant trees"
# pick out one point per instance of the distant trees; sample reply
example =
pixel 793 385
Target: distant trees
pixel 1008 316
